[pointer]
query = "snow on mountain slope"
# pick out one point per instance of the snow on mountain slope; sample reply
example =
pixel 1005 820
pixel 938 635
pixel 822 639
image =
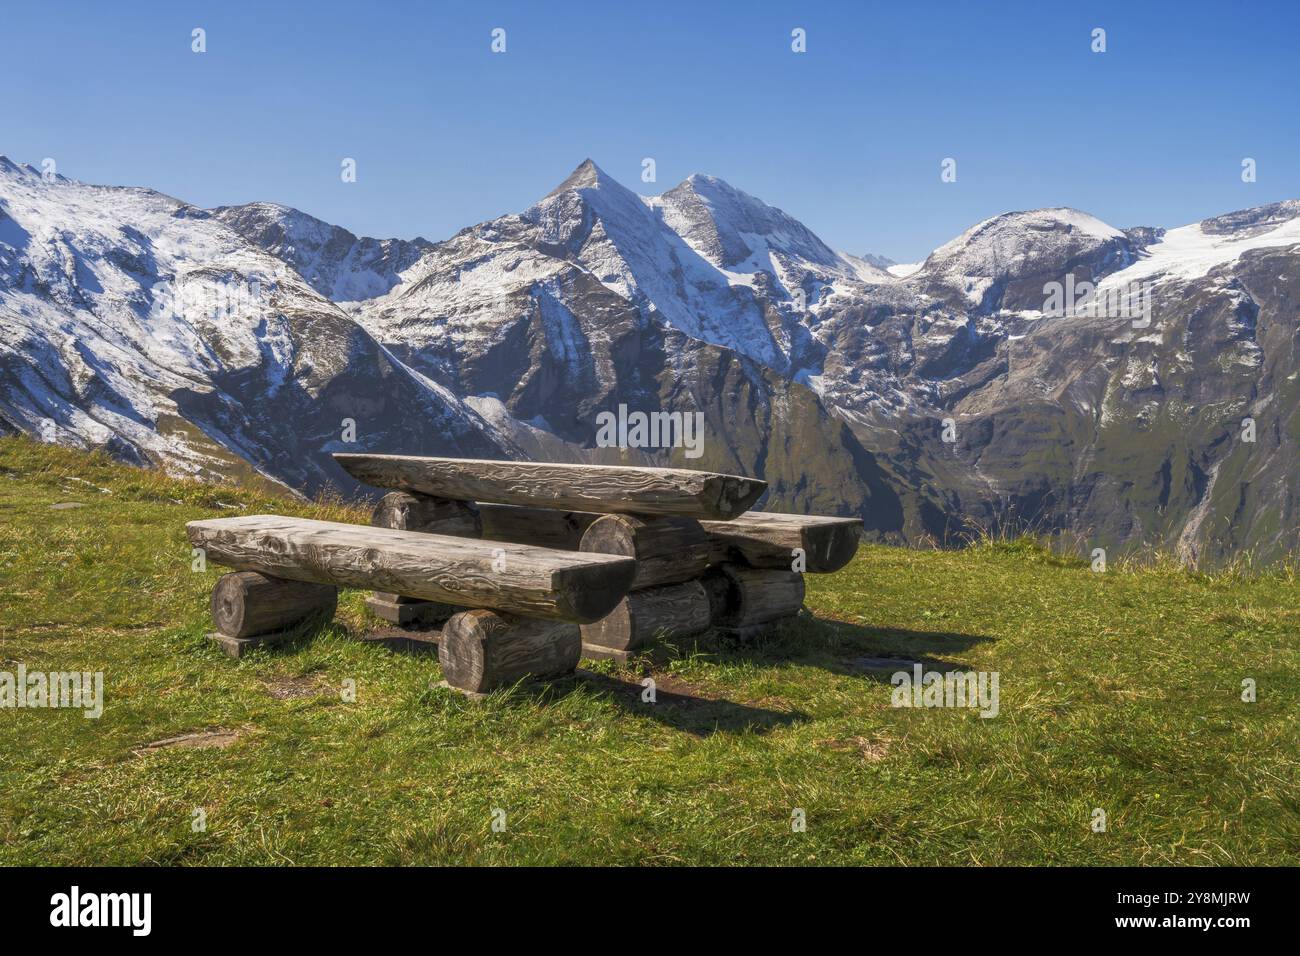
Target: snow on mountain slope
pixel 703 258
pixel 733 230
pixel 1003 262
pixel 1190 252
pixel 615 235
pixel 136 322
pixel 336 263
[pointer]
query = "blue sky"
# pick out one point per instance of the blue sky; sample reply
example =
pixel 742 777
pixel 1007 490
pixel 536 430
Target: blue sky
pixel 848 137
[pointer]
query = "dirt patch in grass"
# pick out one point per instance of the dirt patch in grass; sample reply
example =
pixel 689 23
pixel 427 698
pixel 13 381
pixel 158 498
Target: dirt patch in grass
pixel 293 688
pixel 871 749
pixel 200 739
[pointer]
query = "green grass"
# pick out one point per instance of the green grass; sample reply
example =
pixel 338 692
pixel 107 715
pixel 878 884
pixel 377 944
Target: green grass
pixel 1119 691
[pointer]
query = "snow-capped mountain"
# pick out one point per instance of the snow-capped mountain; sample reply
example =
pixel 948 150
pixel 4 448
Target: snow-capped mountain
pixel 132 321
pixel 586 301
pixel 332 260
pixel 1003 262
pixel 930 398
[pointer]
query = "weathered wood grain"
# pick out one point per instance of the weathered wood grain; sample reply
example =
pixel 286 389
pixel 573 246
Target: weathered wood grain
pixel 674 610
pixel 543 527
pixel 604 488
pixel 741 597
pixel 763 539
pixel 404 511
pixel 481 651
pixel 518 578
pixel 246 603
pixel 667 550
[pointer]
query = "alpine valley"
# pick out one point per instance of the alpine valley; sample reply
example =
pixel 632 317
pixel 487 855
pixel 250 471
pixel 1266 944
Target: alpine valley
pixel 932 400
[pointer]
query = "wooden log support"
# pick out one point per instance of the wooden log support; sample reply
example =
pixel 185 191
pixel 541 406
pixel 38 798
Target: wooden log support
pixel 520 579
pixel 246 603
pixel 741 597
pixel 667 550
pixel 481 651
pixel 604 488
pixel 249 609
pixel 763 539
pixel 403 511
pixel 409 612
pixel 674 610
pixel 543 527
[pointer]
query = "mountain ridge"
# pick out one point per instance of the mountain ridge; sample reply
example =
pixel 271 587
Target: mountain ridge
pixel 821 368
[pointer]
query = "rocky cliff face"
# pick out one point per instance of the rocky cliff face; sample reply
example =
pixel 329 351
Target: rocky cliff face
pixel 334 262
pixel 1115 426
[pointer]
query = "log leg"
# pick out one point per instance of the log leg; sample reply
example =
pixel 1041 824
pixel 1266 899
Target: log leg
pixel 249 609
pixel 407 511
pixel 482 651
pixel 674 610
pixel 743 598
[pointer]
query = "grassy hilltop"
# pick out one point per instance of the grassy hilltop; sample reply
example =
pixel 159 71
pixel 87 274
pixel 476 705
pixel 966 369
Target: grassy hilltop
pixel 1119 690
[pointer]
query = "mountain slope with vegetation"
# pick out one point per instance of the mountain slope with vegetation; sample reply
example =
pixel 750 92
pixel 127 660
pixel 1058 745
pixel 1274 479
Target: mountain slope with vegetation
pixel 1119 690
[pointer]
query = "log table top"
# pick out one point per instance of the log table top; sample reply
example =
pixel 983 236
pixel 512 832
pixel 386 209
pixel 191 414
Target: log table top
pixel 596 488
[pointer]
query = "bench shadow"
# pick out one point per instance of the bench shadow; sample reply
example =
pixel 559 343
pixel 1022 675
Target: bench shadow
pixel 676 704
pixel 838 647
pixel 854 650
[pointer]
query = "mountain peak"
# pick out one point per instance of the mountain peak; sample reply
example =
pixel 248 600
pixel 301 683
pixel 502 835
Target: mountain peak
pixel 712 189
pixel 587 175
pixel 7 165
pixel 720 222
pixel 336 263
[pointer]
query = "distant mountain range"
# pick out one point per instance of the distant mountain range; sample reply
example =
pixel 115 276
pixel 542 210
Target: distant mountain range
pixel 933 400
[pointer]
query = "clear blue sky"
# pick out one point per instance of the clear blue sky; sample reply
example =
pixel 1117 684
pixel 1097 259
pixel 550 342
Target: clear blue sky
pixel 847 137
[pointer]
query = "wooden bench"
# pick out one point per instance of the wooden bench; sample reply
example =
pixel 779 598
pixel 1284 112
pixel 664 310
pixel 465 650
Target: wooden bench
pixel 694 571
pixel 526 567
pixel 286 561
pixel 539 582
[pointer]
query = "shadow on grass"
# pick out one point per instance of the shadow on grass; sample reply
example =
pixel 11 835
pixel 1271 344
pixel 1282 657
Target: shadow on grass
pixel 677 704
pixel 872 653
pixel 869 653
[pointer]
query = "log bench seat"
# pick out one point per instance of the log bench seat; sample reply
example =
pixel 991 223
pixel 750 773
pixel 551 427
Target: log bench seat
pixel 765 539
pixel 516 578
